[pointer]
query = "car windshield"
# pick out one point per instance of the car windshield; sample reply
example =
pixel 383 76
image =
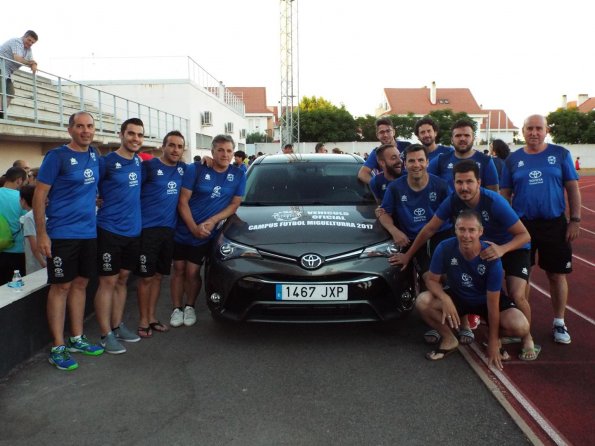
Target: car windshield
pixel 305 183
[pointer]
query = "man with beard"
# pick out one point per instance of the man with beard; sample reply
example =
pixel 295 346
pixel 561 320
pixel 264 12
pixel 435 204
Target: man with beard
pixel 161 184
pixel 426 131
pixel 462 140
pixel 537 177
pixel 118 234
pixel 390 161
pixel 385 132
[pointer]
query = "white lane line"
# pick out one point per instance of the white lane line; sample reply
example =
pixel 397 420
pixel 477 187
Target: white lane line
pixel 531 410
pixel 583 260
pixel 589 209
pixel 568 307
pixel 586 230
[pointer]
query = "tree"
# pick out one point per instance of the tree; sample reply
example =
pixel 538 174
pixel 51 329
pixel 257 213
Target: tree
pixel 570 126
pixel 368 126
pixel 320 120
pixel 255 137
pixel 445 119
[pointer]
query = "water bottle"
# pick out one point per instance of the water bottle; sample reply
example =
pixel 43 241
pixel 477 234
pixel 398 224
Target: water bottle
pixel 16 283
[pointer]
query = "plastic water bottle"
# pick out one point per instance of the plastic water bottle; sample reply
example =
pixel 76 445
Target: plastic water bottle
pixel 16 283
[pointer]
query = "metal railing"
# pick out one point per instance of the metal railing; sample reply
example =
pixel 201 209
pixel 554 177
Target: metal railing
pixel 48 100
pixel 153 67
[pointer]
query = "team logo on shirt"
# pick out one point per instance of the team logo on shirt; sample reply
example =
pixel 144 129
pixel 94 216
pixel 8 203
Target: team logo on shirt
pixel 466 280
pixel 107 258
pixel 118 166
pixel 136 161
pixel 133 177
pixel 450 166
pixel 172 188
pixel 419 212
pixel 230 177
pixel 180 171
pixel 88 174
pixel 551 159
pixel 521 164
pixel 525 271
pixel 383 187
pixel 403 198
pixel 454 261
pixel 143 264
pixel 207 177
pixel 159 172
pixel 485 215
pixel 93 156
pixel 568 265
pixel 481 269
pixel 216 192
pixel 73 162
pixel 57 261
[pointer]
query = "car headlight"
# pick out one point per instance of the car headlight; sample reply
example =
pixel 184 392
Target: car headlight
pixel 385 249
pixel 227 250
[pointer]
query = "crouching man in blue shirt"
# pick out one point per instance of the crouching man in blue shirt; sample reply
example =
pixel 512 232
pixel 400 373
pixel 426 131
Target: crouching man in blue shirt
pixel 473 286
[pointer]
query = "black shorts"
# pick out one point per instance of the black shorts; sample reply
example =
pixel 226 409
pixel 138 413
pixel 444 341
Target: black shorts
pixel 193 254
pixel 72 258
pixel 116 252
pixel 156 251
pixel 548 239
pixel 517 263
pixel 423 256
pixel 464 308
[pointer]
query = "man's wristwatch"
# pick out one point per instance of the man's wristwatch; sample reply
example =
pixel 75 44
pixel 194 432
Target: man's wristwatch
pixel 575 219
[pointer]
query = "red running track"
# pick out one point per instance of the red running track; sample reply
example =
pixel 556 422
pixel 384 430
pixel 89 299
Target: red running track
pixel 555 395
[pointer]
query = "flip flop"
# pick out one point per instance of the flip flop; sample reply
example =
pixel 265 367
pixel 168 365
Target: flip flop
pixel 158 326
pixel 432 337
pixel 431 356
pixel 510 340
pixel 144 332
pixel 466 336
pixel 530 354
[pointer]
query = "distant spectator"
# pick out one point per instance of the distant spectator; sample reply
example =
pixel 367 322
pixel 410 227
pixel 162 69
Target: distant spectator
pixel 196 159
pixel 499 151
pixel 337 150
pixel 33 259
pixel 359 133
pixel 320 148
pixel 259 154
pixel 287 149
pixel 10 208
pixel 239 157
pixel 33 172
pixel 365 156
pixel 577 163
pixel 251 159
pixel 22 164
pixel 486 152
pixel 16 52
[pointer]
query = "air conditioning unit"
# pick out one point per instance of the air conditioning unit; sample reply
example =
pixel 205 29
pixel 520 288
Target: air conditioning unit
pixel 206 118
pixel 243 133
pixel 229 127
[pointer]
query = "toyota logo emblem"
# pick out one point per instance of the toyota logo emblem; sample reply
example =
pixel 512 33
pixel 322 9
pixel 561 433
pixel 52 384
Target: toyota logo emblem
pixel 419 212
pixel 311 261
pixel 535 174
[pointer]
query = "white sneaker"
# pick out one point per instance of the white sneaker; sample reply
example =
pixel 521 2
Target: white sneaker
pixel 189 316
pixel 561 334
pixel 177 318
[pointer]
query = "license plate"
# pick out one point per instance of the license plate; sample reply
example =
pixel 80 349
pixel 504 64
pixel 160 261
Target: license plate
pixel 310 292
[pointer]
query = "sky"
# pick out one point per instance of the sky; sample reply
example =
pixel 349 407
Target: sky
pixel 517 55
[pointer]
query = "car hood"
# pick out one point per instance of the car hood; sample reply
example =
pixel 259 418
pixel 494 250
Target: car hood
pixel 295 230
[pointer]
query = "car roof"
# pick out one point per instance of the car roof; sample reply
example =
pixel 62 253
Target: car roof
pixel 309 158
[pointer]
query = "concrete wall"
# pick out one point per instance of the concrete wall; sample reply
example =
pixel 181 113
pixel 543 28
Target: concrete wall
pixel 30 151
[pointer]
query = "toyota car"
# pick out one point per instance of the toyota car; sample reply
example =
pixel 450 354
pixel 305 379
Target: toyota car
pixel 305 246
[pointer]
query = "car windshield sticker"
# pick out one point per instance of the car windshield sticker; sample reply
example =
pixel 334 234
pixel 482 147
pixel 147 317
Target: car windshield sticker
pixel 298 217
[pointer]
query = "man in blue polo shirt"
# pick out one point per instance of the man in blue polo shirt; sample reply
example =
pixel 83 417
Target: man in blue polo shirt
pixel 67 181
pixel 462 140
pixel 390 162
pixel 161 185
pixel 118 234
pixel 473 286
pixel 426 131
pixel 385 132
pixel 536 176
pixel 209 195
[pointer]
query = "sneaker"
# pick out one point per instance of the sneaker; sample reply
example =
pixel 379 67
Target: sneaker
pixel 60 357
pixel 189 316
pixel 124 334
pixel 82 345
pixel 177 318
pixel 111 344
pixel 561 334
pixel 473 321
